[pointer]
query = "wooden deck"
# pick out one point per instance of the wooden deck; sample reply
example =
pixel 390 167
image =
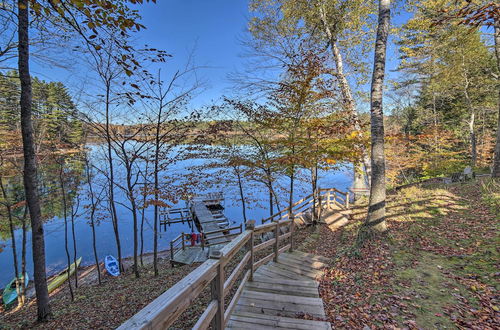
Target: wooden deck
pixel 191 255
pixel 281 295
pixel 208 223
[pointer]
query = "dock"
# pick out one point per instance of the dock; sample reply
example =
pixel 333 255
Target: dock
pixel 208 224
pixel 205 211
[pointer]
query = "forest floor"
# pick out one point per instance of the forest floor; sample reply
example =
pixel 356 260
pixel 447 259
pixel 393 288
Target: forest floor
pixel 436 267
pixel 117 299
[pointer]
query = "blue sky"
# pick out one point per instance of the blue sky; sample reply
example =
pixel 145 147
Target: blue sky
pixel 209 29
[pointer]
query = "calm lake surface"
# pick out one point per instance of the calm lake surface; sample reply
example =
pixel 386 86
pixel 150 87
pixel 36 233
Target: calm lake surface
pixel 214 180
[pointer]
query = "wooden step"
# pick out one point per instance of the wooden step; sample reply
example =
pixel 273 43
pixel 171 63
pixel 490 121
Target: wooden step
pixel 245 320
pixel 297 270
pixel 280 305
pixel 284 273
pixel 294 259
pixel 294 263
pixel 280 294
pixel 310 256
pixel 264 286
pixel 302 283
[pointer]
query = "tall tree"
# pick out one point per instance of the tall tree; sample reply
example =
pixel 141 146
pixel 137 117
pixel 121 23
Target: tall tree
pixel 87 19
pixel 495 172
pixel 482 13
pixel 30 169
pixel 376 210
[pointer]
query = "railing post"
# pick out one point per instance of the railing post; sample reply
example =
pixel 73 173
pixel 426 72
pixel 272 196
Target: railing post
pixel 276 243
pixel 250 225
pixel 217 288
pixel 347 200
pixel 182 239
pixel 320 210
pixel 329 196
pixel 292 229
pixel 171 253
pixel 202 241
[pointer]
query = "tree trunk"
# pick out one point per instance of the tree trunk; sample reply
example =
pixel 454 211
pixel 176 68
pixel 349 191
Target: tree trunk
pixel 242 196
pixel 271 210
pixel 314 181
pixel 134 218
pixel 290 197
pixel 73 235
pixel 143 216
pixel 345 88
pixel 470 108
pixel 23 257
pixel 473 140
pixel 30 171
pixel 495 171
pixel 143 209
pixel 92 219
pixel 65 214
pixel 114 216
pixel 157 180
pixel 8 209
pixel 376 210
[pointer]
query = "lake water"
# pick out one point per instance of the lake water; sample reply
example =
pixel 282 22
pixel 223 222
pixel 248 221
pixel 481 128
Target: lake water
pixel 179 173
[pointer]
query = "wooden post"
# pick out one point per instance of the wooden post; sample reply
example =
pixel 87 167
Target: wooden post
pixel 217 288
pixel 320 208
pixel 183 243
pixel 292 226
pixel 276 243
pixel 250 225
pixel 347 200
pixel 328 199
pixel 171 253
pixel 202 241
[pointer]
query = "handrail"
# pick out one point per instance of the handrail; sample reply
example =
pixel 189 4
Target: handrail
pixel 308 199
pixel 222 230
pixel 166 309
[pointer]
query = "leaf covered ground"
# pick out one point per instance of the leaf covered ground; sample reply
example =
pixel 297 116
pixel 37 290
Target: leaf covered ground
pixel 108 305
pixel 437 267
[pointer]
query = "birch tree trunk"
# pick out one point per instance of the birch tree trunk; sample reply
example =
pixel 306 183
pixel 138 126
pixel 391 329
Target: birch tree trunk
pixel 495 172
pixel 30 171
pixel 376 209
pixel 345 90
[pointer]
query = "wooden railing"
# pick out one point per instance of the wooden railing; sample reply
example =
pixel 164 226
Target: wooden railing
pixel 325 196
pixel 179 243
pixel 224 233
pixel 166 309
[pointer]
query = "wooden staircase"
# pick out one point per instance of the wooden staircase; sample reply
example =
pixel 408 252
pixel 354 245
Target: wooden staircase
pixel 281 294
pixel 277 290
